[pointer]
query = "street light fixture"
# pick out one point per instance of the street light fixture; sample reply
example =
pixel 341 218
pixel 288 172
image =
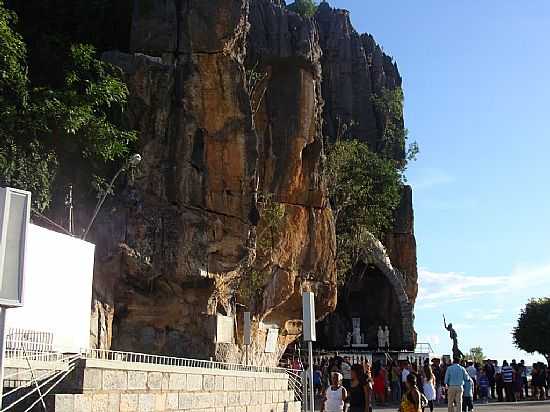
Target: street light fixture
pixel 133 161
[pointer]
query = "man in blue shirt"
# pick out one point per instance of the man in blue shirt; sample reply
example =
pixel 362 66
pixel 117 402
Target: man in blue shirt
pixel 455 377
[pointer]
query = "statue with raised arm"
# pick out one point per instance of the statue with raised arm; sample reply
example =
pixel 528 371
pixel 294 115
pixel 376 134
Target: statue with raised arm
pixel 457 353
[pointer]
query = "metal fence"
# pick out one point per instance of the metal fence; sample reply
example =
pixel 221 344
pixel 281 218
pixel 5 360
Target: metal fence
pixel 136 357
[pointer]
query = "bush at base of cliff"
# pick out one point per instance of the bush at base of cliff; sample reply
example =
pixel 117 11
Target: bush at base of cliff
pixel 305 8
pixel 364 190
pixel 74 128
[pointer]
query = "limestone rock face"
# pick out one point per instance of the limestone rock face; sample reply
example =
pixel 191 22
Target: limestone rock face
pixel 354 70
pixel 185 237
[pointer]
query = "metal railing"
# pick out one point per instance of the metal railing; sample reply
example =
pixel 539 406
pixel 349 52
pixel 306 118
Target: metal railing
pixel 423 348
pixel 296 383
pixel 28 339
pixel 135 357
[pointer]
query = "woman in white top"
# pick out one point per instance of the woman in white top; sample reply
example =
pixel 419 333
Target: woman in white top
pixel 335 394
pixel 429 386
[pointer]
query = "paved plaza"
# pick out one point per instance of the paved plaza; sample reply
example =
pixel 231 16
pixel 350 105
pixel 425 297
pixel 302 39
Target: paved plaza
pixel 493 407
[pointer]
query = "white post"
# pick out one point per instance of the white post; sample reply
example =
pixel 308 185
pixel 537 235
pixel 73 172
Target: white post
pixel 2 347
pixel 308 307
pixel 310 377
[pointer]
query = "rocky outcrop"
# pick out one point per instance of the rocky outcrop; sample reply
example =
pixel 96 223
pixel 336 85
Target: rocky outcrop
pixel 188 239
pixel 355 70
pixel 233 101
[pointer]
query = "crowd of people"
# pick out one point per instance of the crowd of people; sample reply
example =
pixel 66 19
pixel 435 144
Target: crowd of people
pixel 415 387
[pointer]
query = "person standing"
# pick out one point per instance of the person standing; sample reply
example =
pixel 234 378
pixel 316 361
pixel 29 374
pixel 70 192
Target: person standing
pixel 468 397
pixel 429 386
pixel 455 377
pixel 499 382
pixel 508 379
pixel 380 384
pixel 404 374
pixel 360 393
pixel 490 373
pixel 412 399
pixel 335 394
pixel 524 380
pixel 346 373
pixel 395 382
pixel 472 371
pixel 484 386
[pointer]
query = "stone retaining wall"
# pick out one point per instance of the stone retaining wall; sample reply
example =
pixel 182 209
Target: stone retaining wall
pixel 111 386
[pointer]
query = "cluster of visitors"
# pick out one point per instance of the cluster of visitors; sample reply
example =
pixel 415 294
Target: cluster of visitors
pixel 420 387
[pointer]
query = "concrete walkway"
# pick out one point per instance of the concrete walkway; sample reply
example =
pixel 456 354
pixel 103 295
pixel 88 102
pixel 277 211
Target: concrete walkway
pixel 534 406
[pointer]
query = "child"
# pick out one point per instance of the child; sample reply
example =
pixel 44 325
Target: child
pixel 468 397
pixel 484 387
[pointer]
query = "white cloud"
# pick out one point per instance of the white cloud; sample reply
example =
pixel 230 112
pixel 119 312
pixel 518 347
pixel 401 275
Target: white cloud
pixel 441 288
pixel 427 178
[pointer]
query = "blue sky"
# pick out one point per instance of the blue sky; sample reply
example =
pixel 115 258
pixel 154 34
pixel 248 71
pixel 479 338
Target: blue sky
pixel 477 85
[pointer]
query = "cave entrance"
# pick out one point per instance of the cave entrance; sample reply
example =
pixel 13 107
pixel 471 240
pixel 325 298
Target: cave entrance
pixel 370 298
pixel 374 295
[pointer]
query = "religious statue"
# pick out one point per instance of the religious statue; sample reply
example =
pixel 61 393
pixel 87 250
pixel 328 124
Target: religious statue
pixel 356 331
pixel 457 353
pixel 381 337
pixel 387 337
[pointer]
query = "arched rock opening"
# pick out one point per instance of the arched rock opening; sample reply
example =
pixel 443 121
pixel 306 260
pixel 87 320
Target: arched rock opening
pixel 375 294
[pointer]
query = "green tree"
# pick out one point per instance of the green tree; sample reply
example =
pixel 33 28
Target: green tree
pixel 476 355
pixel 364 190
pixel 305 8
pixel 532 333
pixel 45 130
pixel 393 144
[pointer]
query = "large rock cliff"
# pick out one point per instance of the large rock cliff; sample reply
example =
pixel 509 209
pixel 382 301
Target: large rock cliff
pixel 355 70
pixel 188 241
pixel 233 100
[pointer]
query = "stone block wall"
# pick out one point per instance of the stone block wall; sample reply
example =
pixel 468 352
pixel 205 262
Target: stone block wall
pixel 111 386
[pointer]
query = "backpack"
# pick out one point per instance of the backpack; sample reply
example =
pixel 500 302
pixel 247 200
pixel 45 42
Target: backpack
pixel 423 401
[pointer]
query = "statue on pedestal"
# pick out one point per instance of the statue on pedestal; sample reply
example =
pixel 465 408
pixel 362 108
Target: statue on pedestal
pixel 348 339
pixel 457 353
pixel 386 337
pixel 356 331
pixel 381 337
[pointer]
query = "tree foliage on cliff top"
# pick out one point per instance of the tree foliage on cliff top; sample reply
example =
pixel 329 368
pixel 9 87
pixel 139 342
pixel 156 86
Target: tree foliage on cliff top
pixel 45 130
pixel 364 190
pixel 305 8
pixel 532 333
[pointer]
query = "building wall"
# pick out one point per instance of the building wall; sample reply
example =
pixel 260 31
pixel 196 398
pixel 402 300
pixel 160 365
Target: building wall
pixel 122 387
pixel 57 290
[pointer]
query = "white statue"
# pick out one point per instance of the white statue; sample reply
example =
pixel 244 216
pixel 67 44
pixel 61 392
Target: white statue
pixel 381 337
pixel 386 337
pixel 356 331
pixel 348 339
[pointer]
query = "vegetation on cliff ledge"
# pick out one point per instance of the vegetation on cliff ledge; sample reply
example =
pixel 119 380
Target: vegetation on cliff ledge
pixel 305 8
pixel 75 127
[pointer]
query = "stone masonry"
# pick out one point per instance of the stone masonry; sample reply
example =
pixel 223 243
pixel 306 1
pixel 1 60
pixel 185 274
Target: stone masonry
pixel 111 386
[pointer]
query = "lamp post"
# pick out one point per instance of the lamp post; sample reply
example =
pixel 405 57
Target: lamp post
pixel 133 161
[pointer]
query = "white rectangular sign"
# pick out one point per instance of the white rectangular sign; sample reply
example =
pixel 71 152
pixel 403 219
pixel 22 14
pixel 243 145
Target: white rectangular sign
pixel 271 340
pixel 225 326
pixel 308 304
pixel 15 209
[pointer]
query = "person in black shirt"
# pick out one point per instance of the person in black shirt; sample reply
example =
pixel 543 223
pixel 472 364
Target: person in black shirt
pixel 360 393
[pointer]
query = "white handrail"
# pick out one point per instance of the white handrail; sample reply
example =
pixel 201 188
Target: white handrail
pixel 135 357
